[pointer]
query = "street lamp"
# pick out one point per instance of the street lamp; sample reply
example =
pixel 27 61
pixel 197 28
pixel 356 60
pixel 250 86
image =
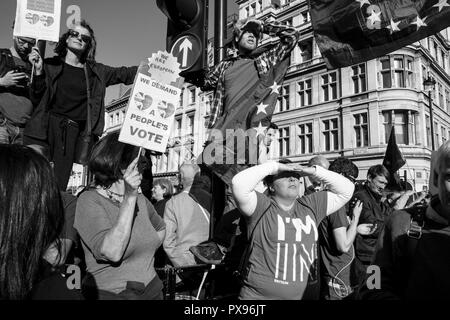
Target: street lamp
pixel 428 86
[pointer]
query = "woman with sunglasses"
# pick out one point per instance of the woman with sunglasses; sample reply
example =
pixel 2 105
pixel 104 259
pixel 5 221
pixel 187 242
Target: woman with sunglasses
pixel 62 89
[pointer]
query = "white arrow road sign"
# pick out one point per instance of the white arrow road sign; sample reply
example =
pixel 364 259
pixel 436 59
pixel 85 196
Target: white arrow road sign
pixel 185 46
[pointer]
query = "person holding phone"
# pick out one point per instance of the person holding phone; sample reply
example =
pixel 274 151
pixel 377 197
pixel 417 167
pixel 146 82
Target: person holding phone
pixel 15 103
pixel 119 229
pixel 371 221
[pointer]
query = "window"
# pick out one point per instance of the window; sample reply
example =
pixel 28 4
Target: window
pixel 403 121
pixel 252 9
pixel 447 100
pixel 283 99
pixel 443 134
pixel 111 120
pixel 192 95
pixel 306 49
pixel 443 59
pixel 177 132
pixel 259 6
pixel 331 134
pixel 208 104
pixel 305 138
pixel 190 124
pixel 428 127
pixel 117 118
pixel 175 160
pixel 359 78
pixel 397 71
pixel 283 141
pixel 436 134
pixel 329 86
pixel 435 50
pixel 441 96
pixel 181 97
pixel 288 22
pixel 304 92
pixel 361 130
pixel 304 17
pixel 163 163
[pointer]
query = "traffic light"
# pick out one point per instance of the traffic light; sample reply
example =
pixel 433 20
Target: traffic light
pixel 187 32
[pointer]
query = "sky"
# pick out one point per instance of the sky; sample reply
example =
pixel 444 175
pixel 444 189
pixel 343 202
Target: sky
pixel 127 31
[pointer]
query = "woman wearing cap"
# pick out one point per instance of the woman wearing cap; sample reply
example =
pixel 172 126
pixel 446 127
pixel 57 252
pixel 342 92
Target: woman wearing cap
pixel 283 228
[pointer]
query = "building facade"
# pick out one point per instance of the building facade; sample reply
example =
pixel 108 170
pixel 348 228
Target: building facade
pixel 343 112
pixel 350 111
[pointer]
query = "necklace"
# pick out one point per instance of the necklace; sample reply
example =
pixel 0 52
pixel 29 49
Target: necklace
pixel 113 196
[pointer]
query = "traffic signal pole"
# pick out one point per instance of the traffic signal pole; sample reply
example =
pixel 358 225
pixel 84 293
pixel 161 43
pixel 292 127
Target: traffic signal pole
pixel 220 17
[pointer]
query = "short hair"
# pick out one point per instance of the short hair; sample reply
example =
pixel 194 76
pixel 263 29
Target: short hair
pixel 346 167
pixel 31 218
pixel 272 126
pixel 319 161
pixel 166 184
pixel 108 158
pixel 378 170
pixel 89 54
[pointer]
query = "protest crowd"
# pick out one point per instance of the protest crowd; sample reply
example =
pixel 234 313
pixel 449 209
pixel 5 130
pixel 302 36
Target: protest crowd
pixel 270 230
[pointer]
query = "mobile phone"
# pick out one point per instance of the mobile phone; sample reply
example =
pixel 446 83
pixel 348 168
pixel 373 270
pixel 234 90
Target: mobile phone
pixel 23 82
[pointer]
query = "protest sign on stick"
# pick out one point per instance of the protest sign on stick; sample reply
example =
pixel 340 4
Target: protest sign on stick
pixel 152 104
pixel 38 19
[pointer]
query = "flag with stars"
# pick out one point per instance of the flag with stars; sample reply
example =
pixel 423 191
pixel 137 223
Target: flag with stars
pixel 252 113
pixel 352 31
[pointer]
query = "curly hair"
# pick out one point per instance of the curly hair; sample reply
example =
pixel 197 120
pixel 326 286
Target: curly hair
pixel 89 53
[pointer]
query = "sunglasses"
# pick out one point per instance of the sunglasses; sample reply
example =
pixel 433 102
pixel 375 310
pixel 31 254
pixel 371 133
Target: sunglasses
pixel 24 41
pixel 85 38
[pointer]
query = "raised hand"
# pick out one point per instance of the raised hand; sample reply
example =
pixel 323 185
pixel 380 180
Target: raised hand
pixel 357 209
pixel 301 170
pixel 132 178
pixel 35 58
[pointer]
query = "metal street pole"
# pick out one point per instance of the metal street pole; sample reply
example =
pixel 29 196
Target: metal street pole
pixel 220 16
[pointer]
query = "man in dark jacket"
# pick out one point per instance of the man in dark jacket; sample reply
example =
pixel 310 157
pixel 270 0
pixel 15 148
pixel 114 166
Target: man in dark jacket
pixel 15 104
pixel 63 88
pixel 371 221
pixel 411 259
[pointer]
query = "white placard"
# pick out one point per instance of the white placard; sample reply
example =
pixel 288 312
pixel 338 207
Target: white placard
pixel 150 114
pixel 38 19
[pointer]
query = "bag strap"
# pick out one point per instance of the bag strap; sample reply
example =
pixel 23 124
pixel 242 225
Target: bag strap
pixel 88 89
pixel 414 231
pixel 246 255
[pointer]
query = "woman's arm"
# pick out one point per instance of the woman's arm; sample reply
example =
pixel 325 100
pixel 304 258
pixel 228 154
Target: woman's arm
pixel 345 237
pixel 244 183
pixel 340 189
pixel 116 239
